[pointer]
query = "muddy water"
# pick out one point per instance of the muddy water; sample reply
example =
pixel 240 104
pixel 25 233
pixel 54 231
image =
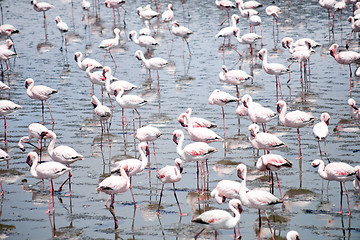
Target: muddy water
pixel 186 82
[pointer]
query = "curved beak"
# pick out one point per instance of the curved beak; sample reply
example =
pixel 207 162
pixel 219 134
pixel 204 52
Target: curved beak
pixel 28 161
pixel 175 139
pixel 239 175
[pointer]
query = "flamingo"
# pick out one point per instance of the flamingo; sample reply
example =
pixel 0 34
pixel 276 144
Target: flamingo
pixel 241 110
pixel 329 5
pixel 354 110
pixel 276 69
pixel 6 54
pixel 356 181
pixel 220 219
pixel 234 77
pixel 227 32
pixel 40 92
pixel 149 134
pixel 170 174
pixel 129 101
pixel 274 11
pixel 8 30
pixel 344 57
pixel 108 44
pixel 273 163
pixel 292 235
pixel 84 63
pixel 101 111
pixel 288 42
pixel 255 20
pixel 221 98
pixel 336 171
pixel 340 6
pixel 46 170
pixel 168 15
pixel 245 13
pixel 36 130
pixel 42 7
pixel 196 121
pixel 355 27
pixel 146 30
pixel 7 107
pixel 111 84
pixel 135 166
pixel 201 134
pixel 116 4
pixel 263 140
pixel 146 13
pixel 194 152
pixel 62 154
pixel 143 40
pixel 252 4
pixel 249 38
pixel 113 185
pixel 183 32
pixel 321 130
pixel 155 63
pixel 225 5
pixel 257 199
pixel 63 28
pixel 3 156
pixel 295 119
pixel 96 77
pixel 256 112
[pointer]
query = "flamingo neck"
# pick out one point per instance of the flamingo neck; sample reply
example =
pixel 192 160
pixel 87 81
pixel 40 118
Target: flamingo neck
pixel 321 170
pixel 124 176
pixel 135 38
pixel 107 81
pixel 236 218
pixel 144 159
pixel 179 148
pixel 265 63
pixel 188 121
pixel 22 140
pixel 233 22
pixel 52 145
pixel 282 114
pixel 34 165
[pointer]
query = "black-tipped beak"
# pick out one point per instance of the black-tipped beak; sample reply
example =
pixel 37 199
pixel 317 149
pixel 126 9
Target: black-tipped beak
pixel 278 108
pixel 26 85
pixel 42 135
pixel 175 139
pixel 240 208
pixel 181 169
pixel 147 151
pixel 355 107
pixel 28 161
pixel 239 175
pixel 22 149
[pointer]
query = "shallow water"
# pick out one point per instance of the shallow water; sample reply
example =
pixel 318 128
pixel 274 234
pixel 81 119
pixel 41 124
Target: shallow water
pixel 186 82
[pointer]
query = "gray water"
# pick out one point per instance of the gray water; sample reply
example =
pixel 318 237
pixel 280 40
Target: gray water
pixel 186 82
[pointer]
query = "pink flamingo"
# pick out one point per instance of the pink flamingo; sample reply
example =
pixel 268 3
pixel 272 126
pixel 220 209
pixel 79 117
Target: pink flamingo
pixel 226 5
pixel 321 130
pixel 295 119
pixel 276 69
pixel 227 32
pixel 183 32
pixel 249 38
pixel 40 92
pixel 220 219
pixel 7 107
pixel 196 121
pixel 101 111
pixel 274 11
pixel 354 110
pixel 134 165
pixel 8 30
pixel 256 112
pixel 113 185
pixel 252 4
pixel 146 13
pixel 355 27
pixel 62 154
pixel 201 134
pixel 356 181
pixel 255 20
pixel 221 98
pixel 245 12
pixel 96 77
pixel 129 102
pixel 234 77
pixel 116 4
pixel 36 130
pixel 257 199
pixel 168 15
pixel 63 28
pixel 329 5
pixel 170 174
pixel 46 170
pixel 5 55
pixel 85 5
pixel 155 63
pixel 344 57
pixel 108 44
pixel 336 171
pixel 84 63
pixel 143 41
pixel 149 134
pixel 194 152
pixel 42 7
pixel 263 140
pixel 4 156
pixel 273 163
pixel 288 42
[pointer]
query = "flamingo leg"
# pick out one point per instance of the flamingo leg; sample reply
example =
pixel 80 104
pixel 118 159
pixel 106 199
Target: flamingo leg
pixel 341 193
pixel 300 154
pixel 320 149
pixel 42 111
pixel 177 201
pixel 132 194
pixel 2 190
pixel 158 210
pixel 223 113
pixel 347 196
pixel 259 224
pixel 157 169
pixel 139 117
pixel 113 58
pixel 350 78
pixel 51 196
pixel 105 57
pixel 52 119
pixel 279 189
pixel 187 43
pixel 198 234
pixel 69 178
pixel 272 235
pixel 5 125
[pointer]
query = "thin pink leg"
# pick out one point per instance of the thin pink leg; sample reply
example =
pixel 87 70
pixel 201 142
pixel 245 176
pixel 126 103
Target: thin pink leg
pixel 52 119
pixel 158 210
pixel 157 168
pixel 42 111
pixel 5 124
pixel 300 154
pixel 272 234
pixel 177 201
pixel 347 196
pixel 223 113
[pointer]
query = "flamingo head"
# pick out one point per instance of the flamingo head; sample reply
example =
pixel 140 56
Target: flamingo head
pixel 240 171
pixel 357 172
pixel 176 135
pixel 107 3
pixel 138 54
pixel 181 120
pixel 352 103
pixel 293 235
pixel 254 129
pixel 279 105
pixel 236 32
pixel 28 82
pixel 224 68
pixel 245 99
pixel 76 56
pixel 9 43
pixel 325 117
pixel 261 54
pixel 131 34
pixel 178 163
pixel 57 19
pixel 105 70
pixel 333 49
pixel 351 19
pixel 176 24
pixel 316 163
pixel 170 6
pixel 30 158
